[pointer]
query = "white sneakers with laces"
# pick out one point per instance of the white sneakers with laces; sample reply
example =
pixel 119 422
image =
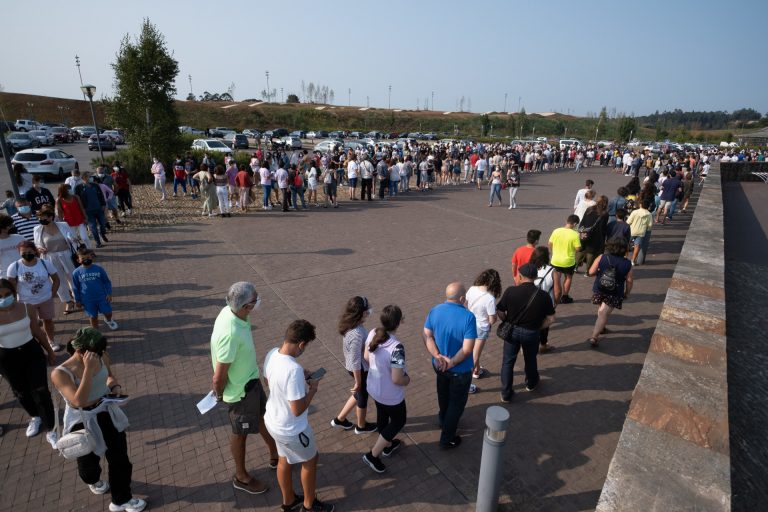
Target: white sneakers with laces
pixel 99 487
pixel 34 426
pixel 52 437
pixel 135 505
pixel 111 324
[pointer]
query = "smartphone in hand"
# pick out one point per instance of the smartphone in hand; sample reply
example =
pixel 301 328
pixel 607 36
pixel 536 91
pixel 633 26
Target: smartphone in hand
pixel 317 374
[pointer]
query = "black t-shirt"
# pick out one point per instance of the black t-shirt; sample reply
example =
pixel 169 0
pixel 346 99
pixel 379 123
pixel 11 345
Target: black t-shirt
pixel 515 299
pixel 39 198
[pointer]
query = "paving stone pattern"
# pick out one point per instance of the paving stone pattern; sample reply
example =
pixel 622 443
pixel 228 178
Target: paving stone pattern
pixel 169 286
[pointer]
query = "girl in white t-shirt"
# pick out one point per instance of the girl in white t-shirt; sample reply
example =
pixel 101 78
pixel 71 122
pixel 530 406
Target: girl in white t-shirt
pixel 546 282
pixel 481 301
pixel 387 378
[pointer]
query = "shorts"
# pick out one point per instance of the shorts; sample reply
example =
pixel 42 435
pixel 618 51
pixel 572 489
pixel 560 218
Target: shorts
pixel 245 415
pixel 482 334
pixel 329 189
pixel 94 307
pixel 361 396
pixel 312 185
pixel 480 174
pixel 665 203
pixel 296 449
pixel 637 240
pixel 45 310
pixel 112 203
pixel 352 182
pixel 568 271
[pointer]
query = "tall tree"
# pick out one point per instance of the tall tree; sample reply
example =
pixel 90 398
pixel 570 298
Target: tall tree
pixel 143 105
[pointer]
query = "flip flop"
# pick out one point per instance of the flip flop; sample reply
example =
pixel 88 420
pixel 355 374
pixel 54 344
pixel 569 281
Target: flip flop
pixel 593 342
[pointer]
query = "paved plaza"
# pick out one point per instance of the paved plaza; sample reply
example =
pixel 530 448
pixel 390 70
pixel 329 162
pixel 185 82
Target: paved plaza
pixel 170 284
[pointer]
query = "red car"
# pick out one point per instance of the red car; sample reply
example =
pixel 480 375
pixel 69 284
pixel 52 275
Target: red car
pixel 61 134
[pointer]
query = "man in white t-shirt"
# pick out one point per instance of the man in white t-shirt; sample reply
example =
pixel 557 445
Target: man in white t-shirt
pixel 481 166
pixel 291 392
pixel 352 171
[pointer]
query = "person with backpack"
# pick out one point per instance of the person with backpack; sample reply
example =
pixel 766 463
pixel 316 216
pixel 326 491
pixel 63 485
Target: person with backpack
pixel 296 187
pixel 592 228
pixel 613 283
pixel 94 202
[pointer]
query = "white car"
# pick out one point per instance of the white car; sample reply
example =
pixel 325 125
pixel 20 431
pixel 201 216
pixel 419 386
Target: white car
pixel 327 146
pixel 212 145
pixel 42 136
pixel 292 142
pixel 311 135
pixel 52 161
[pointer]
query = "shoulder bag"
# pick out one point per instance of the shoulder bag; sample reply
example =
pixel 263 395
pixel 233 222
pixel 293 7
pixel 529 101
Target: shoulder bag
pixel 504 330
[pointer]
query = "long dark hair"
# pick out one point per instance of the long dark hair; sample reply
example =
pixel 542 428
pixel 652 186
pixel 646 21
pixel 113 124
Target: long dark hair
pixel 4 283
pixel 491 280
pixel 390 320
pixel 353 313
pixel 540 256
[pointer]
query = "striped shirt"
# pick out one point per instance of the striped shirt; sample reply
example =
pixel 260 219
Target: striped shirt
pixel 25 225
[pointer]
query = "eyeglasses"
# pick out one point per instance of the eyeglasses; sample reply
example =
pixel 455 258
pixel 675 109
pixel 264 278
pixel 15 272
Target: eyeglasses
pixel 254 304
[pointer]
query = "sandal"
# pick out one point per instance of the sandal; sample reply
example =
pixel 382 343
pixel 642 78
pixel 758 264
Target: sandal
pixel 593 342
pixel 273 463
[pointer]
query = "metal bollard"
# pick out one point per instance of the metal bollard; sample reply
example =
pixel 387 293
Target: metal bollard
pixel 496 422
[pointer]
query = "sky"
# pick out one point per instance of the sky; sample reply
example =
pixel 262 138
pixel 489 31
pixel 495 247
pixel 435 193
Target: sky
pixel 564 56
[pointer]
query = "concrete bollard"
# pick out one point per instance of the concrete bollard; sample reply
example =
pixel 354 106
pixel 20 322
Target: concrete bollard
pixel 496 423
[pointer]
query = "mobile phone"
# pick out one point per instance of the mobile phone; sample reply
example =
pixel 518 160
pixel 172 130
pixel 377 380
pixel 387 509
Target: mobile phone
pixel 116 396
pixel 317 374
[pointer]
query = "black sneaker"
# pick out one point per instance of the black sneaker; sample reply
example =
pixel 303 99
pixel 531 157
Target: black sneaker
pixel 374 463
pixel 367 429
pixel 345 424
pixel 104 237
pixel 454 443
pixel 396 443
pixel 319 506
pixel 528 387
pixel 297 503
pixel 566 299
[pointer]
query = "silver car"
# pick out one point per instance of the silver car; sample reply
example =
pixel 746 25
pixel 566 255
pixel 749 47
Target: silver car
pixel 292 142
pixel 43 136
pixel 51 161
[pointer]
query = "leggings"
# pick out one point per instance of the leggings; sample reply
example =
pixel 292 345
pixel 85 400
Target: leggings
pixel 25 369
pixel 390 419
pixel 222 193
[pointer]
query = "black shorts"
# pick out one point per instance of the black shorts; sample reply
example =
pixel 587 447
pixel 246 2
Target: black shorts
pixel 568 271
pixel 245 415
pixel 361 396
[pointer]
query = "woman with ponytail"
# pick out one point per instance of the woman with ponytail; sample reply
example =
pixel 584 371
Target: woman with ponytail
pixel 387 378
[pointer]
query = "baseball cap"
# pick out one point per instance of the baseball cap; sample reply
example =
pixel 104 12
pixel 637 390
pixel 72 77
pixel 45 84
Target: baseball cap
pixel 528 270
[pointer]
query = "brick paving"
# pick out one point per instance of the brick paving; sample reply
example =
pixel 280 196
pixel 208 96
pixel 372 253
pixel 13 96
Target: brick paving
pixel 169 285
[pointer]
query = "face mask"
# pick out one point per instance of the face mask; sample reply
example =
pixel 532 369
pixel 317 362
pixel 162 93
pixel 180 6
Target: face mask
pixel 90 180
pixel 7 301
pixel 29 256
pixel 370 311
pixel 258 304
pixel 44 222
pixel 86 262
pixel 24 209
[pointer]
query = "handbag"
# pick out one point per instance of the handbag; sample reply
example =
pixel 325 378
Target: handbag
pixel 77 443
pixel 504 330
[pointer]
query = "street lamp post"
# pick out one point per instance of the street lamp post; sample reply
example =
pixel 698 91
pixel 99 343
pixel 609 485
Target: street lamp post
pixel 433 100
pixel 89 90
pixel 30 110
pixel 77 63
pixel 282 96
pixel 505 102
pixel 389 98
pixel 268 90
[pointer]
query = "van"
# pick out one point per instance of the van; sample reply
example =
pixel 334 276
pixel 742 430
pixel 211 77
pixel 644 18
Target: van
pixel 565 143
pixel 25 125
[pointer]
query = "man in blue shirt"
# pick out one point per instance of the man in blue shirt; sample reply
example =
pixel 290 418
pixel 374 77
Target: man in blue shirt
pixel 449 334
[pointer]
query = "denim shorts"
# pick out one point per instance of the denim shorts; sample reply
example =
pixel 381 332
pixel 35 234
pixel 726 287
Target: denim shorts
pixel 482 334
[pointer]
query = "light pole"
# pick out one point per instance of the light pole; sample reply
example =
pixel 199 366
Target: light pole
pixel 367 102
pixel 389 98
pixel 505 103
pixel 268 90
pixel 433 100
pixel 77 63
pixel 190 86
pixel 519 98
pixel 88 90
pixel 30 110
pixel 282 96
pixel 349 97
pixel 61 113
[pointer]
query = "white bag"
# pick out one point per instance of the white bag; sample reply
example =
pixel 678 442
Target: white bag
pixel 75 444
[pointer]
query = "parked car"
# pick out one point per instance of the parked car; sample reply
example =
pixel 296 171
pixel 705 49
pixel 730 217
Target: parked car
pixel 430 136
pixel 327 146
pixel 51 161
pixel 18 141
pixel 85 131
pixel 252 133
pixel 311 135
pixel 301 134
pixel 213 145
pixel 374 135
pixel 355 135
pixel 336 135
pixel 43 136
pixel 321 134
pixel 239 141
pixel 106 142
pixel 292 142
pixel 61 134
pixel 7 126
pixel 116 136
pixel 25 125
pixel 280 132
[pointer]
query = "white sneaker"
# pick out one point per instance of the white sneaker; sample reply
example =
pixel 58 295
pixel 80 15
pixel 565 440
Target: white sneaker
pixel 130 212
pixel 472 389
pixel 510 207
pixel 135 505
pixel 52 437
pixel 99 487
pixel 34 426
pixel 111 324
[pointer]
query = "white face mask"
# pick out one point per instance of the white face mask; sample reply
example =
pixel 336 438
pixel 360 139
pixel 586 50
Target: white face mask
pixel 370 311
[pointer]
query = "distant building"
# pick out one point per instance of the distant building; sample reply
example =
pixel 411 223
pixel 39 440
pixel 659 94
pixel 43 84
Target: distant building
pixel 758 138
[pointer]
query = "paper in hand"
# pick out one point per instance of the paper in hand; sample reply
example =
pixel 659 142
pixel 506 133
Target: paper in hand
pixel 207 403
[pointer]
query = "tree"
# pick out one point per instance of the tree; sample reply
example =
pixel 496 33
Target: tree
pixel 143 105
pixel 485 125
pixel 627 127
pixel 461 104
pixel 292 98
pixel 191 97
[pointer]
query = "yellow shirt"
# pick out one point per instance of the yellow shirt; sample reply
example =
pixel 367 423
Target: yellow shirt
pixel 565 242
pixel 640 221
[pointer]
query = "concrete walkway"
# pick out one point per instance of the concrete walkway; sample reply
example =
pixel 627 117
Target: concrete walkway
pixel 169 286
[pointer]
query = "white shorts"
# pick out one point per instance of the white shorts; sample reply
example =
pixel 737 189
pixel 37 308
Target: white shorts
pixel 296 449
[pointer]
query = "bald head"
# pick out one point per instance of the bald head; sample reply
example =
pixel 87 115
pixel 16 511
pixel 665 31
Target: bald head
pixel 454 292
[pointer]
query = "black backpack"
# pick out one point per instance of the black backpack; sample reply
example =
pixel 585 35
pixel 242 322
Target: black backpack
pixel 608 281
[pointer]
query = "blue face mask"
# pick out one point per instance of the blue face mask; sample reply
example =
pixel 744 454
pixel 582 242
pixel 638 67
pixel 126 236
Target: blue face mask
pixel 24 209
pixel 7 301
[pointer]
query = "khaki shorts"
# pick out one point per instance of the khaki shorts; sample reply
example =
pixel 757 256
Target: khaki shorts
pixel 245 415
pixel 296 449
pixel 45 310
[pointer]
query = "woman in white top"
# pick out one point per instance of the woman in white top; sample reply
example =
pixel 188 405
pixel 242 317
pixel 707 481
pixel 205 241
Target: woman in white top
pixel 23 352
pixel 55 241
pixel 158 172
pixel 495 179
pixel 312 185
pixel 546 282
pixel 387 378
pixel 589 200
pixel 354 335
pixel 481 301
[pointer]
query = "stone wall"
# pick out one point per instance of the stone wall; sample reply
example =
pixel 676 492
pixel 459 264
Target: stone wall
pixel 673 453
pixel 741 171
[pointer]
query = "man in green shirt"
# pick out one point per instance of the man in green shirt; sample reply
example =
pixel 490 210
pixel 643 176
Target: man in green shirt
pixel 236 380
pixel 563 244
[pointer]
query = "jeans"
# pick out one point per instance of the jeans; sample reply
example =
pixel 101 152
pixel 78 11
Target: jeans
pixel 266 190
pixel 528 339
pixel 365 188
pixel 222 195
pixel 452 394
pixel 578 166
pixel 160 186
pixel 297 191
pixel 124 196
pixel 286 199
pixel 390 419
pixel 495 192
pixel 179 181
pixel 26 370
pixel 382 188
pixel 393 188
pixel 672 208
pixel 120 467
pixel 644 247
pixel 98 223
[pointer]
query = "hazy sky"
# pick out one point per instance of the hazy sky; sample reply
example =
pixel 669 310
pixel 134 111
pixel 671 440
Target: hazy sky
pixel 556 55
